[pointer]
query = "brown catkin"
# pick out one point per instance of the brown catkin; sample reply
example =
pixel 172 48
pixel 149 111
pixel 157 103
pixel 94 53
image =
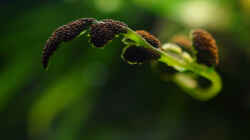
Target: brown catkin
pixel 105 31
pixel 137 55
pixel 63 34
pixel 70 31
pixel 115 22
pixel 48 50
pixel 205 45
pixel 184 43
pixel 154 41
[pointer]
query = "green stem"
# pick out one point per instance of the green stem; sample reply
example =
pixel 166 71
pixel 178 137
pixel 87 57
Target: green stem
pixel 181 65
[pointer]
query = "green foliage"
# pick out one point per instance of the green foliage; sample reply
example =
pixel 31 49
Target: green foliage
pixel 91 94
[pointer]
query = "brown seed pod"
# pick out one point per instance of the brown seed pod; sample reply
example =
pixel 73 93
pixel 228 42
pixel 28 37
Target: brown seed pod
pixel 70 31
pixel 115 22
pixel 49 49
pixel 205 45
pixel 105 31
pixel 154 41
pixel 63 34
pixel 184 43
pixel 139 55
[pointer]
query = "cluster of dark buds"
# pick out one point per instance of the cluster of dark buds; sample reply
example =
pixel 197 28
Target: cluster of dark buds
pixel 101 32
pixel 205 45
pixel 180 57
pixel 202 46
pixel 183 42
pixel 63 34
pixel 137 54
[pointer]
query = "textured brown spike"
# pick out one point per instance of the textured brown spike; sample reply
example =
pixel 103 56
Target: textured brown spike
pixel 63 34
pixel 138 55
pixel 49 49
pixel 154 41
pixel 70 31
pixel 115 22
pixel 105 31
pixel 184 43
pixel 205 45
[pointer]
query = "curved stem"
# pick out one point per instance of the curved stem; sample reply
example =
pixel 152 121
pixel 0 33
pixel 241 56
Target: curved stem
pixel 194 90
pixel 181 65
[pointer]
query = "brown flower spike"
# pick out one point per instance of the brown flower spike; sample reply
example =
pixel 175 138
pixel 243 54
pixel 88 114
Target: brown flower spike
pixel 154 41
pixel 138 54
pixel 115 22
pixel 184 43
pixel 63 34
pixel 105 31
pixel 205 45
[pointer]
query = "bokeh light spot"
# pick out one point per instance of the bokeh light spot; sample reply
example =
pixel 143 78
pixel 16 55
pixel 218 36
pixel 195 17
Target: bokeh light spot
pixel 203 14
pixel 108 6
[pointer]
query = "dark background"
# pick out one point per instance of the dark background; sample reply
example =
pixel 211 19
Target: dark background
pixel 91 93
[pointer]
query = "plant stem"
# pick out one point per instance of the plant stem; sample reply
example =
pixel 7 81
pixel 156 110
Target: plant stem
pixel 181 65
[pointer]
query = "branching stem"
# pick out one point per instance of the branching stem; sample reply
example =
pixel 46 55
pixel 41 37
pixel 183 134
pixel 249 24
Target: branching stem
pixel 182 65
pixel 145 47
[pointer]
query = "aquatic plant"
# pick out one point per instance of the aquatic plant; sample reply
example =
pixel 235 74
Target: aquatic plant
pixel 190 59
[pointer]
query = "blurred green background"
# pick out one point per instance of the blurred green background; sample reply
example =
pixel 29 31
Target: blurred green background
pixel 92 94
